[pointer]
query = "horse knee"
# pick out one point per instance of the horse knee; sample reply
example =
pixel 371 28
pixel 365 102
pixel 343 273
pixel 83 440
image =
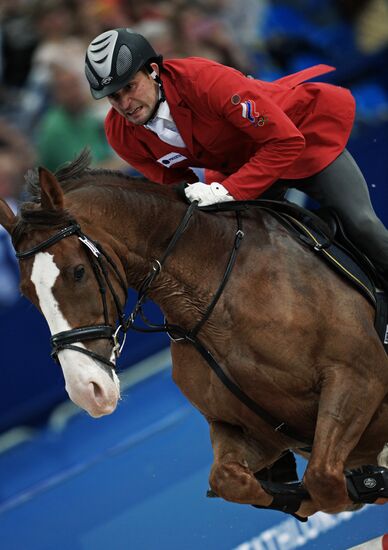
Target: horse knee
pixel 321 475
pixel 226 478
pixel 327 487
pixel 236 483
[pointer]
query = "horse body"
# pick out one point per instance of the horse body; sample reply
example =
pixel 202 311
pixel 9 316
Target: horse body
pixel 294 336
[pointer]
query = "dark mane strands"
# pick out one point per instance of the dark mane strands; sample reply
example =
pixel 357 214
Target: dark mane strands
pixel 78 172
pixel 30 212
pixel 72 176
pixel 72 170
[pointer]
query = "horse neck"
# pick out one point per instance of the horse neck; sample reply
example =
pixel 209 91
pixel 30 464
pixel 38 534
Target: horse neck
pixel 138 227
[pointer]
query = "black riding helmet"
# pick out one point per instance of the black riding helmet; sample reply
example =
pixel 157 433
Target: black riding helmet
pixel 114 57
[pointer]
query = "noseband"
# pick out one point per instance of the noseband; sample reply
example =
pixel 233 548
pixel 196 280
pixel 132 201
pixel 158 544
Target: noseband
pixel 99 261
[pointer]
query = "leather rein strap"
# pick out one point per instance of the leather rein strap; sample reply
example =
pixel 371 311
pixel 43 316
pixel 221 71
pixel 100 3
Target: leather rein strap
pixel 178 334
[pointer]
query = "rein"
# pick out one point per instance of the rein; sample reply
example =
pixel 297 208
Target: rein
pixel 66 339
pixel 178 334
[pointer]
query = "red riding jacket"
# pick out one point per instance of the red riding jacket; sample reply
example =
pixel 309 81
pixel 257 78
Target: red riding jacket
pixel 247 133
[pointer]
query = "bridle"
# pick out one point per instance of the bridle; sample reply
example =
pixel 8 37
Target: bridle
pixel 100 262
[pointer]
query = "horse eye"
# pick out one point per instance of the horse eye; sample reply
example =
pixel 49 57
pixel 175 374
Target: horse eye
pixel 79 272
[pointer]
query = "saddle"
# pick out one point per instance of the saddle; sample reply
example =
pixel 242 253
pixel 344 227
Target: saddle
pixel 322 231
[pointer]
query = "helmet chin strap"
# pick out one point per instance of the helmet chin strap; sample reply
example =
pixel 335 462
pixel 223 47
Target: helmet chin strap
pixel 162 96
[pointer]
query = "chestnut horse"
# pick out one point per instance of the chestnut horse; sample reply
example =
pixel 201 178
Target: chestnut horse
pixel 287 331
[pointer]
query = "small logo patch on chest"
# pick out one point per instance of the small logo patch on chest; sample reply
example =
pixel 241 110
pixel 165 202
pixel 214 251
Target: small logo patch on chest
pixel 171 158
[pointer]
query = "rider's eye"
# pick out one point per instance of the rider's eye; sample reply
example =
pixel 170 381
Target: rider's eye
pixel 79 272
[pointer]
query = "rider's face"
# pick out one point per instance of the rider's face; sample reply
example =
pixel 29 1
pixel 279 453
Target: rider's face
pixel 137 100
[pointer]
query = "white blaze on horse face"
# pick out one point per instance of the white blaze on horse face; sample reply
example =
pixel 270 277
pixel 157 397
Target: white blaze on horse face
pixel 88 385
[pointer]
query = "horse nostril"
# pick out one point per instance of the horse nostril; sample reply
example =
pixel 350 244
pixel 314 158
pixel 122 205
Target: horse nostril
pixel 97 391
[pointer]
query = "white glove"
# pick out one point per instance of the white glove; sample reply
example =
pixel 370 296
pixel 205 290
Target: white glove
pixel 207 194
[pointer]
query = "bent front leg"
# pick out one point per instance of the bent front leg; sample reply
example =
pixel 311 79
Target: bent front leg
pixel 236 458
pixel 348 402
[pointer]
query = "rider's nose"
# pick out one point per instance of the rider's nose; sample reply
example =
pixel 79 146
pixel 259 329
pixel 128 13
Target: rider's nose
pixel 125 102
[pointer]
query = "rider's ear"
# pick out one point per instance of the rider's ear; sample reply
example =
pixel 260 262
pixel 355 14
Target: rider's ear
pixel 7 217
pixel 51 197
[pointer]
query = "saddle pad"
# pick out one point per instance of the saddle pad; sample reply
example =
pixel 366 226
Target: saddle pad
pixel 340 259
pixel 315 233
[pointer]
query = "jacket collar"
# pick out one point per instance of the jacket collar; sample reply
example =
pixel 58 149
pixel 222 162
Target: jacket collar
pixel 179 112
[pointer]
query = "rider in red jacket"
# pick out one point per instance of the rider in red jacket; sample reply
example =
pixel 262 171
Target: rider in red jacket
pixel 252 137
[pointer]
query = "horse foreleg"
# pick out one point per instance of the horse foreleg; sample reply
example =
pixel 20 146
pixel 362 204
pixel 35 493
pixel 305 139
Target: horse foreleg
pixel 347 404
pixel 236 458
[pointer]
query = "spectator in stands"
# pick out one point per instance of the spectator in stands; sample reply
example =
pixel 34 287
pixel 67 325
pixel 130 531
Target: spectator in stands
pixel 352 36
pixel 16 156
pixel 93 17
pixel 198 31
pixel 71 123
pixel 18 40
pixel 55 24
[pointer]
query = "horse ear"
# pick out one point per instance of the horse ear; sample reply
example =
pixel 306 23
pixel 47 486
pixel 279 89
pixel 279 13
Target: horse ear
pixel 7 217
pixel 51 197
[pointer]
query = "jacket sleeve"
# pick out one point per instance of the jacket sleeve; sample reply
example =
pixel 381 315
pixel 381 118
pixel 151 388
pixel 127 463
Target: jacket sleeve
pixel 213 175
pixel 277 143
pixel 145 165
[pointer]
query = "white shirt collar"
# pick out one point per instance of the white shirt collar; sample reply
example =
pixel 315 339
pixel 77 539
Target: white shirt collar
pixel 164 126
pixel 162 113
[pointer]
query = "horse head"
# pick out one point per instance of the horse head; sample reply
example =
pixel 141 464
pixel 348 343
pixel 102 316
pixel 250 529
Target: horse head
pixel 65 275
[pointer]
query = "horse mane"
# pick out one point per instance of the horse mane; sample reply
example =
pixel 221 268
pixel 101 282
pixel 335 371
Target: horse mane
pixel 74 175
pixel 71 174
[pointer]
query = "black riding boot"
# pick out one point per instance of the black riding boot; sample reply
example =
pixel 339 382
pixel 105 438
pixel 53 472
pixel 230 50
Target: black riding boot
pixel 342 188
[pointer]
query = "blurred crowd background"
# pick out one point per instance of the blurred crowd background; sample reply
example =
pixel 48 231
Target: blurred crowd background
pixel 47 115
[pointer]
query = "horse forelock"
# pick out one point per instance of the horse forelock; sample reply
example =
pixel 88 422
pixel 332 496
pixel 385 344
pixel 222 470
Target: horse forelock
pixel 32 217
